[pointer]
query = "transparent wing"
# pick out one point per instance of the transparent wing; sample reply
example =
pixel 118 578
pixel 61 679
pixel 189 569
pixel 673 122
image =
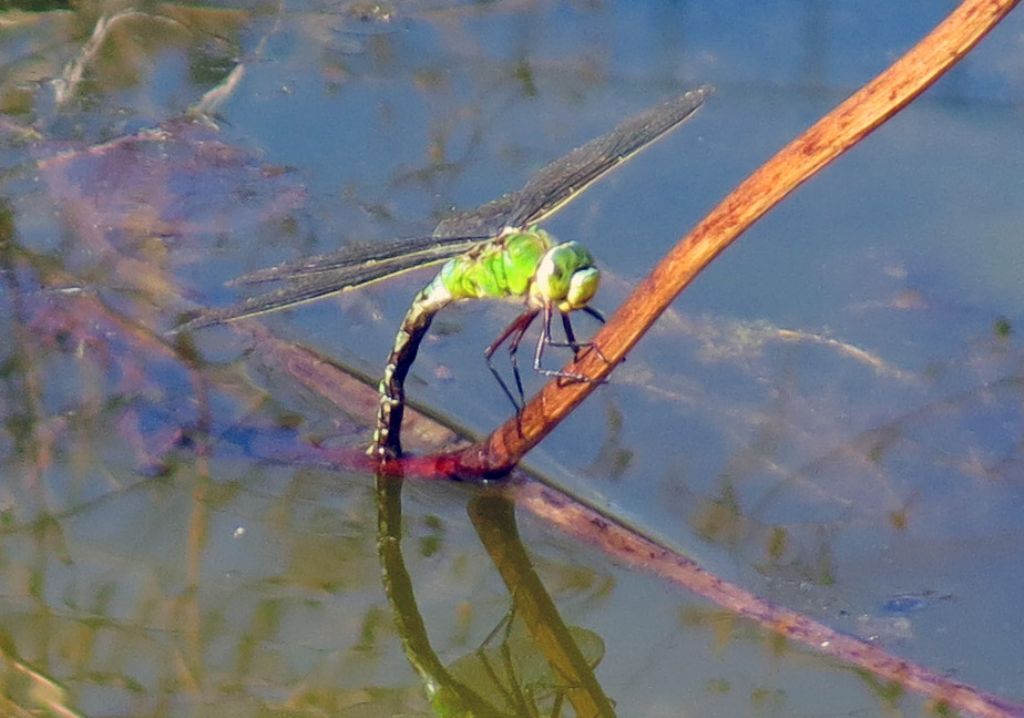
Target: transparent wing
pixel 429 249
pixel 554 186
pixel 313 285
pixel 558 183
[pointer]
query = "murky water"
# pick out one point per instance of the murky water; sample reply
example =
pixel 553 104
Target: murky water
pixel 830 417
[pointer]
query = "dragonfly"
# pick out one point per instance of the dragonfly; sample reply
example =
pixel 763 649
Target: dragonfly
pixel 496 251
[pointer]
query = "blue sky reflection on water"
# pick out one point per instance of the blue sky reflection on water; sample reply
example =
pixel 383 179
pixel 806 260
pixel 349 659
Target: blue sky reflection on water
pixel 829 416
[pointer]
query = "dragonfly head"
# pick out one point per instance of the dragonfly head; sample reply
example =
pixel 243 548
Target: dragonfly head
pixel 566 277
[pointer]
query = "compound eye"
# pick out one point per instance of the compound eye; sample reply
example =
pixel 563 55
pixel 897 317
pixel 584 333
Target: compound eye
pixel 567 276
pixel 552 275
pixel 582 287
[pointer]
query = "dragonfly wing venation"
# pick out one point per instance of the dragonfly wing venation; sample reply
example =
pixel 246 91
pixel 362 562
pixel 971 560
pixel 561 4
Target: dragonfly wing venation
pixel 431 249
pixel 312 287
pixel 487 220
pixel 561 181
pixel 545 193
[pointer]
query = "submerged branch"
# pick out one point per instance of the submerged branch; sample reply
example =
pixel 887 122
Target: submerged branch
pixel 628 545
pixel 67 84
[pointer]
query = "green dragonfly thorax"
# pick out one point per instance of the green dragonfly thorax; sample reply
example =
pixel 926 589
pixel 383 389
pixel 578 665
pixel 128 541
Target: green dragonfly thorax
pixel 524 263
pixel 565 277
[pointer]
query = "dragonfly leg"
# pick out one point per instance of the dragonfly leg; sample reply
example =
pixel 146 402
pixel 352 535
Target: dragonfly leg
pixel 546 340
pixel 515 330
pixel 571 336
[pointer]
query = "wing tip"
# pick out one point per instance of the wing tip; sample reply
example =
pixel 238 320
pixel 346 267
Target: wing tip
pixel 193 321
pixel 693 99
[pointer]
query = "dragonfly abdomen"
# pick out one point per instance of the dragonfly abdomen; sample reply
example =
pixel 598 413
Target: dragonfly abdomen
pixel 429 301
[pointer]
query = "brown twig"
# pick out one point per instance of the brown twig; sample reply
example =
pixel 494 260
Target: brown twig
pixel 770 184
